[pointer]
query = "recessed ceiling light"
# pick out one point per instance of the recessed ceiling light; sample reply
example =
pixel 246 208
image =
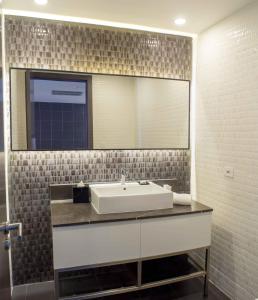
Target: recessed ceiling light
pixel 180 21
pixel 41 2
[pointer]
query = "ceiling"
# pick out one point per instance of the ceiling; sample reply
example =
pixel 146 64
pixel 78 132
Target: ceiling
pixel 200 14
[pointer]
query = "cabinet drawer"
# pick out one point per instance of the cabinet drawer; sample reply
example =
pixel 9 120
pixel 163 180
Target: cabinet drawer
pixel 95 244
pixel 180 233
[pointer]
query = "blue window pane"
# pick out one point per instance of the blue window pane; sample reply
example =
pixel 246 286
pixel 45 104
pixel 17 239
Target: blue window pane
pixel 58 114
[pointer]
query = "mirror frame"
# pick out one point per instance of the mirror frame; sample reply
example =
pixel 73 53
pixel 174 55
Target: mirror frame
pixel 85 74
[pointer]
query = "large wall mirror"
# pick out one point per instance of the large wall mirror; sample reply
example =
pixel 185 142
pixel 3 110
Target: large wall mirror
pixel 74 111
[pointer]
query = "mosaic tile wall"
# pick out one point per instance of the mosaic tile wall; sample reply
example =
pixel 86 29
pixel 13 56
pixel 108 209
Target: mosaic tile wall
pixel 76 47
pixel 72 47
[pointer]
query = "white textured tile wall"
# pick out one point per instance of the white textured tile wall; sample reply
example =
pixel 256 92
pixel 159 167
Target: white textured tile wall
pixel 227 135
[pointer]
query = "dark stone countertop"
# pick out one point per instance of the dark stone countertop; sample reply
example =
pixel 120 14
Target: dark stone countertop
pixel 68 214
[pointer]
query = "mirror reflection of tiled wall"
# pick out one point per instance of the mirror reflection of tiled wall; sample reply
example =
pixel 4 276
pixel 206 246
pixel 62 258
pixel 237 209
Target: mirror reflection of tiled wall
pixel 35 43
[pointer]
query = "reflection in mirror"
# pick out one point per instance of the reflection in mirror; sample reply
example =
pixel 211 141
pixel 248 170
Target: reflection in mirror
pixel 1 114
pixel 66 111
pixel 50 111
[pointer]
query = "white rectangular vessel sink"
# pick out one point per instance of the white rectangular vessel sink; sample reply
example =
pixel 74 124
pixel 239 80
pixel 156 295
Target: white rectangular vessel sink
pixel 118 198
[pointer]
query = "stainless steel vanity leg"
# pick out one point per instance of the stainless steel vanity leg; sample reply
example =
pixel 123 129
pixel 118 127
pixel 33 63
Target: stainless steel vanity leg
pixel 139 273
pixel 207 270
pixel 57 288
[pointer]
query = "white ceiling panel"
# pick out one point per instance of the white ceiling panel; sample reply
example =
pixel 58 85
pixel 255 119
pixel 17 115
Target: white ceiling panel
pixel 200 14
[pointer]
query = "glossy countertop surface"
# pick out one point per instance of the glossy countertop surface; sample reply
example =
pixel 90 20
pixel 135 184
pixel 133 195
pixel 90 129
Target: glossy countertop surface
pixel 69 214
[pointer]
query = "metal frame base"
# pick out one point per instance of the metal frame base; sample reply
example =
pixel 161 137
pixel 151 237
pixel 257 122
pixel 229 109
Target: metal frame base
pixel 202 272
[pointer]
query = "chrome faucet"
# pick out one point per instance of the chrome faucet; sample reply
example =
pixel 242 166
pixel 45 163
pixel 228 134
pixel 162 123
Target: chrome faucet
pixel 123 176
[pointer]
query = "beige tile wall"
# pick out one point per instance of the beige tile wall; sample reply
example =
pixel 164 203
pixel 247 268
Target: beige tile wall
pixel 227 135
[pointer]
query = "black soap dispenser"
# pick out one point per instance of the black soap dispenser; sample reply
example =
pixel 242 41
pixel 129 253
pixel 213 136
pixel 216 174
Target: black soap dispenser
pixel 81 193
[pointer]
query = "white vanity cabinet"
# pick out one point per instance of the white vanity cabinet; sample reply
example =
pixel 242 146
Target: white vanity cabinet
pixel 107 242
pixel 160 236
pixel 90 241
pixel 90 244
pixel 104 254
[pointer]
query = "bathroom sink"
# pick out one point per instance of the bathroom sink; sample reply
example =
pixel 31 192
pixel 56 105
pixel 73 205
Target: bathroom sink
pixel 118 198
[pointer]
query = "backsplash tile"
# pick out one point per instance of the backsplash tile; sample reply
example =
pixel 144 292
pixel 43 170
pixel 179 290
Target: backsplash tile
pixel 32 172
pixel 35 43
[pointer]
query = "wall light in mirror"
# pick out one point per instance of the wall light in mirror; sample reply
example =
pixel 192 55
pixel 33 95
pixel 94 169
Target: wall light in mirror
pixel 180 21
pixel 41 2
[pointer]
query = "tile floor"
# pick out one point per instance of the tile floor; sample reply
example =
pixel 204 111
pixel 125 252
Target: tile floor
pixel 188 290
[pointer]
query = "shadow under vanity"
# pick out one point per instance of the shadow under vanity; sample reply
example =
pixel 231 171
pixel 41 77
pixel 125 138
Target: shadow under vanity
pixel 98 255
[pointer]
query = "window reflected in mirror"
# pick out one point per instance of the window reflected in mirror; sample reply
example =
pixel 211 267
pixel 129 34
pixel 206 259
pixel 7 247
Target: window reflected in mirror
pixel 1 114
pixel 52 111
